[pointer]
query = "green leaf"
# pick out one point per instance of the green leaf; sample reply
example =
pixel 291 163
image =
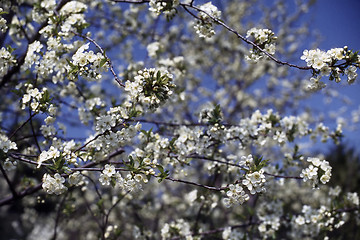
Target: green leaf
pixel 103 61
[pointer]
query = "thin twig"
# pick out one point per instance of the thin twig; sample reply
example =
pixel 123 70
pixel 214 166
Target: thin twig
pixel 12 189
pixel 33 132
pixel 22 159
pixel 58 213
pixel 195 184
pixel 22 125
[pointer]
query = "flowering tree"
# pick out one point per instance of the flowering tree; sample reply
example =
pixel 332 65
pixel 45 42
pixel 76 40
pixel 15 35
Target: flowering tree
pixel 138 119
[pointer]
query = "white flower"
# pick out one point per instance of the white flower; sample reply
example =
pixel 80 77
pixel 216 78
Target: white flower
pixel 109 170
pixel 75 178
pixel 353 198
pixel 153 48
pixel 104 123
pixel 104 179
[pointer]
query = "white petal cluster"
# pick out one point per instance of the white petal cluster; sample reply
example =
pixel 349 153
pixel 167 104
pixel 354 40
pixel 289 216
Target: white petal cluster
pixel 75 179
pixel 6 144
pixel 6 61
pixel 167 7
pixel 317 58
pixel 269 214
pixel 50 154
pixel 32 55
pixel 351 74
pixel 105 122
pixel 312 221
pixel 107 173
pixel 33 97
pixel 179 228
pixel 255 181
pixel 204 27
pixel 235 195
pixel 327 63
pixel 73 7
pixel 319 169
pixel 90 65
pixel 264 38
pixel 153 48
pixel 54 184
pixel 232 234
pixel 130 183
pixel 72 11
pixel 209 9
pixel 3 26
pixel 353 198
pixel 150 87
pixel 189 141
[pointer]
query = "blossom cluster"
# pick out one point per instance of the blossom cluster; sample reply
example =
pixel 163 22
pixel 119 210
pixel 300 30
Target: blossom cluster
pixel 6 61
pixel 269 214
pixel 6 144
pixel 255 181
pixel 3 26
pixel 33 54
pixel 87 64
pixel 72 19
pixel 232 234
pixel 264 39
pixel 51 154
pixel 34 98
pixel 318 169
pixel 179 227
pixel 130 183
pixel 166 7
pixel 54 184
pixel 313 220
pixel 204 26
pixel 150 87
pixel 334 62
pixel 235 195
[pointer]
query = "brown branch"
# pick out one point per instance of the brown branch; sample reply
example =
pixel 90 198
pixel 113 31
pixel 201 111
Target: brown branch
pixel 27 191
